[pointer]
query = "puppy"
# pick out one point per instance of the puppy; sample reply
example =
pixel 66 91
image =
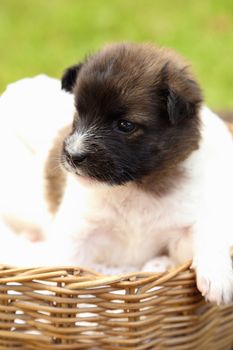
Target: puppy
pixel 145 168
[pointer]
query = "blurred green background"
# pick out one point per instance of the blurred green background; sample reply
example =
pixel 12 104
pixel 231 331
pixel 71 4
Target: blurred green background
pixel 48 35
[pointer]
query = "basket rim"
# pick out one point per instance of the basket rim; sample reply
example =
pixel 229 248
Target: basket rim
pixel 90 278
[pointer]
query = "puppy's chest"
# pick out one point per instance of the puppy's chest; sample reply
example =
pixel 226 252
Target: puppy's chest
pixel 138 213
pixel 122 225
pixel 137 217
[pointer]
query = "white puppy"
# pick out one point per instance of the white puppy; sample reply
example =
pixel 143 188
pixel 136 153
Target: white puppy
pixel 106 205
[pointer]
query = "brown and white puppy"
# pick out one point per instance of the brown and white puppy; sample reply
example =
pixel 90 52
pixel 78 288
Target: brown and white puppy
pixel 136 116
pixel 142 171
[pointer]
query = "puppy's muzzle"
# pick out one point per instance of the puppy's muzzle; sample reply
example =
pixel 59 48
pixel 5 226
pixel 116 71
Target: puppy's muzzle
pixel 76 158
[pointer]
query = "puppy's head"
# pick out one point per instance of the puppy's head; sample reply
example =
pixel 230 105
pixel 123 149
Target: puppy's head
pixel 136 113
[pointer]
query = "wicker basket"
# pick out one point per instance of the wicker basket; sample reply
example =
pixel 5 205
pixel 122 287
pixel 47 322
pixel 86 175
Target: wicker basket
pixel 71 308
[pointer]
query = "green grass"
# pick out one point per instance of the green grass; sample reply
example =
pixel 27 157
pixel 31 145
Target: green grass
pixel 48 35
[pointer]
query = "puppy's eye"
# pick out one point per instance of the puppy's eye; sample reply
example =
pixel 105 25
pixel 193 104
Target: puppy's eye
pixel 124 126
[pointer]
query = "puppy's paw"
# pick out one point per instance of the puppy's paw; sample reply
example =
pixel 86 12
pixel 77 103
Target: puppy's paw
pixel 158 264
pixel 215 283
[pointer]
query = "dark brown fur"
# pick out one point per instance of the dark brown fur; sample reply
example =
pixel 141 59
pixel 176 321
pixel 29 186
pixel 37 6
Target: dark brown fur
pixel 145 85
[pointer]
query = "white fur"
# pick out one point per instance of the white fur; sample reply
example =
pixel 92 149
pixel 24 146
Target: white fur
pixel 75 143
pixel 116 226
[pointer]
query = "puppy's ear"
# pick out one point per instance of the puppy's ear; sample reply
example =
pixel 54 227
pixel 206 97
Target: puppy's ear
pixel 180 107
pixel 69 77
pixel 183 95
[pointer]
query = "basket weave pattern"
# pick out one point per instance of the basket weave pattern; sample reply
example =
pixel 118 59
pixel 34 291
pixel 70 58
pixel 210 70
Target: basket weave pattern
pixel 72 308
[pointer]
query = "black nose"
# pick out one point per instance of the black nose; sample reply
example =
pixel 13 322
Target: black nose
pixel 76 158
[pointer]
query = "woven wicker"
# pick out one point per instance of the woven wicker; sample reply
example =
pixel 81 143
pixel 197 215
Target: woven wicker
pixel 72 308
